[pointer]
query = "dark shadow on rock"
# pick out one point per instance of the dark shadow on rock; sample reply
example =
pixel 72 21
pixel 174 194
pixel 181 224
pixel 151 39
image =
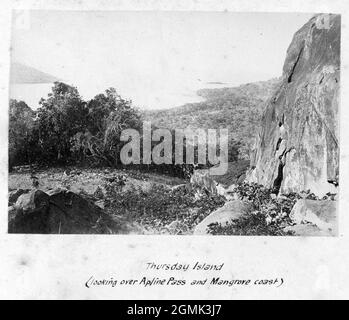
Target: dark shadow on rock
pixel 59 212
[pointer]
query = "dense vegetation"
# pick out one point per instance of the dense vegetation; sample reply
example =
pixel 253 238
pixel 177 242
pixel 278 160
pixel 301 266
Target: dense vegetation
pixel 22 134
pixel 66 130
pixel 169 210
pixel 269 214
pixel 237 109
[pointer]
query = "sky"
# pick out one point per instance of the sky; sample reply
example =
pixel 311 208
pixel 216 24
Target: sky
pixel 156 59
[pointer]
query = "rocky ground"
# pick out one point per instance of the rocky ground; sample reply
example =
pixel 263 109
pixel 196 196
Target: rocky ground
pixel 88 184
pixel 85 180
pixel 108 201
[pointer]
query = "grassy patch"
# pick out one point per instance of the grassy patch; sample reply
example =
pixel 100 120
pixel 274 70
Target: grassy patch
pixel 270 214
pixel 251 224
pixel 161 206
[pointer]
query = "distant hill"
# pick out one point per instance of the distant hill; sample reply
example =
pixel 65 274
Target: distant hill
pixel 22 74
pixel 238 109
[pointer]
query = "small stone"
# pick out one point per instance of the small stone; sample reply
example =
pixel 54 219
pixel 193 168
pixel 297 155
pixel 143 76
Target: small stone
pixel 15 194
pixel 100 203
pixel 98 193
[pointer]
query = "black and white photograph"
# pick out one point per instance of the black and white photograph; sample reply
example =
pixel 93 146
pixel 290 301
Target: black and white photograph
pixel 165 150
pixel 173 123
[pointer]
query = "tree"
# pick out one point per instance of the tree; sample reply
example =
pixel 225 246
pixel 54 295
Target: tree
pixel 99 109
pixel 108 116
pixel 234 150
pixel 22 143
pixel 60 117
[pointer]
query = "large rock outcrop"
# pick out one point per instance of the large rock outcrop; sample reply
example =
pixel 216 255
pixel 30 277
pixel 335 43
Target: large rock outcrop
pixel 297 147
pixel 59 211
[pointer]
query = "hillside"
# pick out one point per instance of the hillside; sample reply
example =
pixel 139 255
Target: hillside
pixel 22 74
pixel 238 109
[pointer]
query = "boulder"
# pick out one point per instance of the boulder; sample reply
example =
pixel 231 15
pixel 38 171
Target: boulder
pixel 100 203
pixel 29 214
pixel 241 178
pixel 232 210
pixel 320 213
pixel 183 187
pixel 308 230
pixel 202 179
pixel 15 194
pixel 297 146
pixel 99 194
pixel 57 190
pixel 220 184
pixel 34 201
pixel 60 211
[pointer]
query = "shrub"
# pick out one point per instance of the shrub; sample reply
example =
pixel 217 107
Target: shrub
pixel 270 214
pixel 160 205
pixel 22 140
pixel 251 224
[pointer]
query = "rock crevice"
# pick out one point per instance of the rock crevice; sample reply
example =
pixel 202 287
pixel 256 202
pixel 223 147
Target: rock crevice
pixel 297 147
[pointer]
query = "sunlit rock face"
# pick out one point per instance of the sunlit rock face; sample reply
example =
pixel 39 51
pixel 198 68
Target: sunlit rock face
pixel 297 147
